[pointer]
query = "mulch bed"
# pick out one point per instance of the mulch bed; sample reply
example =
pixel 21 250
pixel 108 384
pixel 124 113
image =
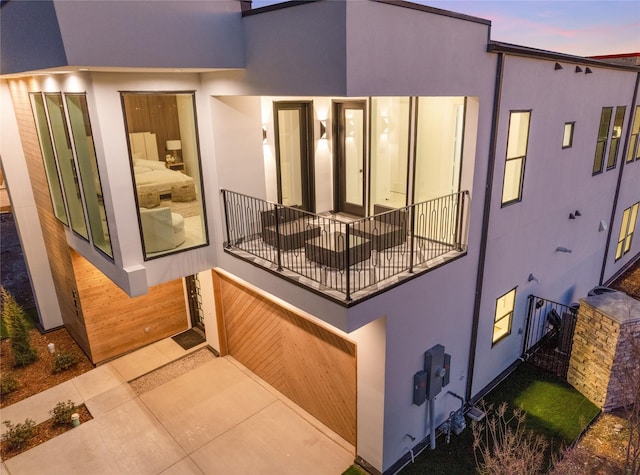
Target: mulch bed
pixel 38 377
pixel 44 431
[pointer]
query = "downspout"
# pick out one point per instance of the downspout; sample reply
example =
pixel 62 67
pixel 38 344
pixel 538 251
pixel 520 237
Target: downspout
pixel 485 222
pixel 615 198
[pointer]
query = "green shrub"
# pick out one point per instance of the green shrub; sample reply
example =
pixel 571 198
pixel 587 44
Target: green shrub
pixel 63 361
pixel 7 384
pixel 17 436
pixel 15 320
pixel 61 414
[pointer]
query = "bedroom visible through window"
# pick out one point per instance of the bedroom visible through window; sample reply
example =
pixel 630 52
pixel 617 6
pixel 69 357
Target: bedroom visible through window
pixel 165 161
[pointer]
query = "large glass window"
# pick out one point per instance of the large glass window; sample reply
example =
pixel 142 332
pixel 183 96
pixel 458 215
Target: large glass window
pixel 616 133
pixel 165 162
pixel 633 153
pixel 503 316
pixel 603 137
pixel 439 131
pixel 517 143
pixel 46 146
pixel 627 227
pixel 66 164
pixel 389 151
pixel 86 158
pixel 63 157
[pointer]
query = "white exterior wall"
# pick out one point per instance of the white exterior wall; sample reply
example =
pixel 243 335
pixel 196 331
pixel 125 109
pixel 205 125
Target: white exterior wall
pixel 185 34
pixel 523 236
pixel 399 51
pixel 298 50
pixel 629 195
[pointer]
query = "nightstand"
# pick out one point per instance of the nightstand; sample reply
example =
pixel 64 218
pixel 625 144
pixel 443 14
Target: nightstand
pixel 177 166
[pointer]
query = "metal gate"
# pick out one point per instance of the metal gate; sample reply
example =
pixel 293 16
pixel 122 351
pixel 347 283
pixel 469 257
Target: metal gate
pixel 195 302
pixel 549 336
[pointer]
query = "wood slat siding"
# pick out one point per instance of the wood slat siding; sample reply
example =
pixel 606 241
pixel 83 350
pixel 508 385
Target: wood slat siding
pixel 310 365
pixel 116 322
pixel 55 239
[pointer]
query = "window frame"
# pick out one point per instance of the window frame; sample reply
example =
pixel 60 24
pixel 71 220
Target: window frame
pixel 633 153
pixel 520 158
pixel 599 161
pixel 627 228
pixel 509 314
pixel 618 122
pixel 89 174
pixel 572 126
pixel 50 160
pixel 147 254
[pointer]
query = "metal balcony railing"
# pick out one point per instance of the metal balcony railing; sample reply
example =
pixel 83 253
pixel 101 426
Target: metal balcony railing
pixel 342 257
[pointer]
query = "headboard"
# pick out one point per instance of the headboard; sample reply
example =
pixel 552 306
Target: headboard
pixel 144 146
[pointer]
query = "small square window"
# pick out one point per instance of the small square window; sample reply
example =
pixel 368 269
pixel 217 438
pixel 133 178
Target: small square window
pixel 567 137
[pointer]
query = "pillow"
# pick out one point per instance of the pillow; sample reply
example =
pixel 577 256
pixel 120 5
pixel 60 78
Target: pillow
pixel 138 170
pixel 153 164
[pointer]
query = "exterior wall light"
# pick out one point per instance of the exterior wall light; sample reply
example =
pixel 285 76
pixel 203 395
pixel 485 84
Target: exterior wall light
pixel 264 134
pixel 557 66
pixel 323 129
pixel 578 69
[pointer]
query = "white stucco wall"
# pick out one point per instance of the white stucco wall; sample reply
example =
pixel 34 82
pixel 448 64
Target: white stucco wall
pixel 393 50
pixel 523 236
pixel 298 50
pixel 147 33
pixel 629 195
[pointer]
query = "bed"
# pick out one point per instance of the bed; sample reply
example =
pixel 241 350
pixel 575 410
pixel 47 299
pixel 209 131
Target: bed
pixel 151 174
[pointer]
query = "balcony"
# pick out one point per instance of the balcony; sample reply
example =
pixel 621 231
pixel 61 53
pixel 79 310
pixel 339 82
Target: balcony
pixel 343 258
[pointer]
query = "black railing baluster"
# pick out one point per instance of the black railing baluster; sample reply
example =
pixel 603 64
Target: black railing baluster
pixel 412 228
pixel 348 263
pixel 278 245
pixel 321 249
pixel 226 217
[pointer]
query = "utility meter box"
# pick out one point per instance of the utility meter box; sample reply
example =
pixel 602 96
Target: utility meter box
pixel 447 368
pixel 434 367
pixel 419 388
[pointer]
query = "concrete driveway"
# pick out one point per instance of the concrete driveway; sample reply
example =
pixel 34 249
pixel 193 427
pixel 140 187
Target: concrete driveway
pixel 217 418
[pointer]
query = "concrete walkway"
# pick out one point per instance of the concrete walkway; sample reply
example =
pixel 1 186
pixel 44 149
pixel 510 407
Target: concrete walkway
pixel 218 418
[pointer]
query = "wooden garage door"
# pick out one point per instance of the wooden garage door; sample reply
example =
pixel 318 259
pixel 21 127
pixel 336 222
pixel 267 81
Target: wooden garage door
pixel 309 364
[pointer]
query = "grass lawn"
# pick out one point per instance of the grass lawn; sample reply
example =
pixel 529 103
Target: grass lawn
pixel 553 409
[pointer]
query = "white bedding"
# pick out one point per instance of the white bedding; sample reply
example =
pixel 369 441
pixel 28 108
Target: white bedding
pixel 152 175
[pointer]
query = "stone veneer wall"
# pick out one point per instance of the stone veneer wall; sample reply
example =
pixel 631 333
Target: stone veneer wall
pixel 602 344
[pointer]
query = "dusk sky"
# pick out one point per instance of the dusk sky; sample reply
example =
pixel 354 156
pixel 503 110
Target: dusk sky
pixel 584 28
